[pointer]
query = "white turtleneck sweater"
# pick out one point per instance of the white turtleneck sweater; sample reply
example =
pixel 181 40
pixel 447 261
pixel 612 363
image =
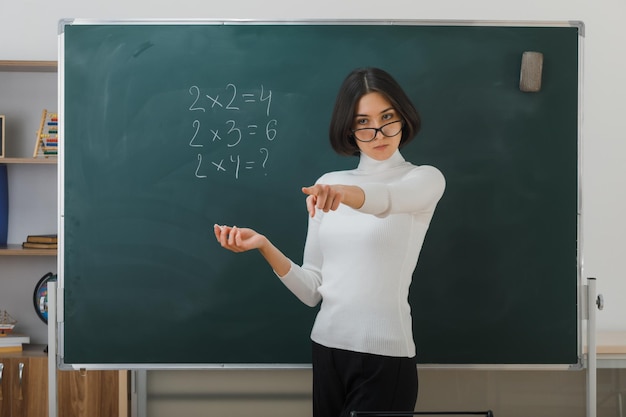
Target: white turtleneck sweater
pixel 360 263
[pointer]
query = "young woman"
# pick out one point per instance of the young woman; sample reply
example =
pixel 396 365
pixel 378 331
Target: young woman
pixel 365 233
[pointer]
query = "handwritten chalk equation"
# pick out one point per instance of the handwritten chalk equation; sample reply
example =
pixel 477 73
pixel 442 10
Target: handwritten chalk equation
pixel 232 130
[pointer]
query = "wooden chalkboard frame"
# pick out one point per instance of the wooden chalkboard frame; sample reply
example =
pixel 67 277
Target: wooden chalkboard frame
pixel 574 364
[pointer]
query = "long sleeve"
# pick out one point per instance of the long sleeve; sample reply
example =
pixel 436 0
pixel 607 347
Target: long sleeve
pixel 419 191
pixel 304 281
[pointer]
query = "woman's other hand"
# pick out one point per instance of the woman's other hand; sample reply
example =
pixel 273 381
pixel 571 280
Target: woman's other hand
pixel 238 239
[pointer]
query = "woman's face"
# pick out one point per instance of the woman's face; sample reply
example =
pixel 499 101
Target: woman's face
pixel 373 111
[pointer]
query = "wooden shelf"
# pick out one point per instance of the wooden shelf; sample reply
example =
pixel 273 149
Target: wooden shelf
pixel 51 160
pixel 29 66
pixel 16 249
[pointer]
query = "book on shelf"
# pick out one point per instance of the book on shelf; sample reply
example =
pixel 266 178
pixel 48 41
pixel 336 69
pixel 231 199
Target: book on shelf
pixel 51 238
pixel 39 245
pixel 13 342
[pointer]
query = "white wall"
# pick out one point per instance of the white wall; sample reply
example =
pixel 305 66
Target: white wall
pixel 29 28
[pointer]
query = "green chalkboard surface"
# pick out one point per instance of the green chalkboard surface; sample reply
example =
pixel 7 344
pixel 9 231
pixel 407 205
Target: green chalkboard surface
pixel 171 127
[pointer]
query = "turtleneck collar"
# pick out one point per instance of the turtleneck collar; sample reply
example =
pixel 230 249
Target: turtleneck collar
pixel 367 164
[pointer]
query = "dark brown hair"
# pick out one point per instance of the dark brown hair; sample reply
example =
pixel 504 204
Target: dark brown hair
pixel 359 82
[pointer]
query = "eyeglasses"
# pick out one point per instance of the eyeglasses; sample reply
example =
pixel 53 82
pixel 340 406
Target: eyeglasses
pixel 368 134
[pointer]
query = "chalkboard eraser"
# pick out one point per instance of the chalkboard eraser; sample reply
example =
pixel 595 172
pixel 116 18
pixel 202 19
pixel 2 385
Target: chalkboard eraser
pixel 530 72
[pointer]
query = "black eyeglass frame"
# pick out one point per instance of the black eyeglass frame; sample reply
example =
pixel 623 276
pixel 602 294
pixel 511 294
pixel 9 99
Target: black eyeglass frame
pixel 376 130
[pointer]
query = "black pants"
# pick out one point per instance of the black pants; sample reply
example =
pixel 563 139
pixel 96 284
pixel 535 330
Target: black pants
pixel 345 381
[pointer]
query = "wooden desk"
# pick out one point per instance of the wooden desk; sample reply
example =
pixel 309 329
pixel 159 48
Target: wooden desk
pixel 611 349
pixel 611 354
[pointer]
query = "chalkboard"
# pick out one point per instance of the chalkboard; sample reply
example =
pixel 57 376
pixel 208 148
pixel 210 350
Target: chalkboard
pixel 170 127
